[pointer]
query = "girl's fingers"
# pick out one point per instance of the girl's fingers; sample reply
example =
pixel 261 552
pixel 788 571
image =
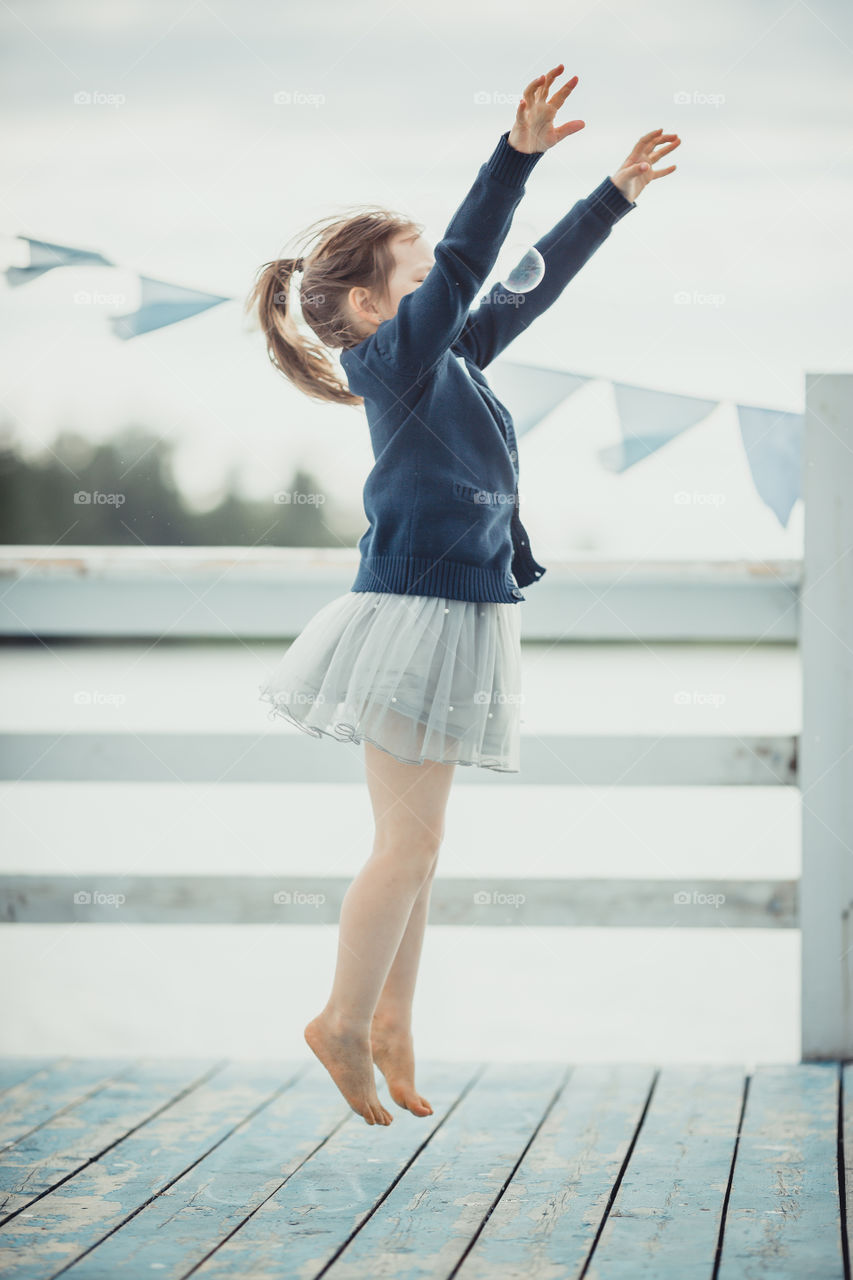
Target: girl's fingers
pixel 551 77
pixel 531 89
pixel 560 96
pixel 565 129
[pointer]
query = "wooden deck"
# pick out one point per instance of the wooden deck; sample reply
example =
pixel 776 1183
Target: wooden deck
pixel 247 1169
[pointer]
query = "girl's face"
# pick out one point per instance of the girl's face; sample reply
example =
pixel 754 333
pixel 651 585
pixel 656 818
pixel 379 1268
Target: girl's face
pixel 413 258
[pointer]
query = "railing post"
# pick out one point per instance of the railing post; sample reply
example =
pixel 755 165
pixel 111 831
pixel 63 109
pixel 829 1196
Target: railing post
pixel 826 745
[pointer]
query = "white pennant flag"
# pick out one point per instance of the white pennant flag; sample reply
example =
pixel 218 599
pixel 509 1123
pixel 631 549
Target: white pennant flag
pixel 650 419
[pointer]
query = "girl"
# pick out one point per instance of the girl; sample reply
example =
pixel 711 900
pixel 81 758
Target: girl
pixel 421 658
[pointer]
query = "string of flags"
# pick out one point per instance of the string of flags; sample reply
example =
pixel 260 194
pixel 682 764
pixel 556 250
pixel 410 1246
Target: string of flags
pixel 649 419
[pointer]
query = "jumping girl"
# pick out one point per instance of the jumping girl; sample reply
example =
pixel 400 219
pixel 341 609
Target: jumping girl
pixel 421 659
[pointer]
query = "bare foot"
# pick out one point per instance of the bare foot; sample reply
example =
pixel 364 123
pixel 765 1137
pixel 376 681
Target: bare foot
pixel 393 1052
pixel 346 1056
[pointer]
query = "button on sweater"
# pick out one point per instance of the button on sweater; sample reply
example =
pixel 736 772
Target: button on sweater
pixel 442 497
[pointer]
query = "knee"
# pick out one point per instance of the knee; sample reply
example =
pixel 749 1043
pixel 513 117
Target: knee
pixel 419 849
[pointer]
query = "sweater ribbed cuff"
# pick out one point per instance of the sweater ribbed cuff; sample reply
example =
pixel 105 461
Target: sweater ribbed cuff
pixel 510 166
pixel 608 201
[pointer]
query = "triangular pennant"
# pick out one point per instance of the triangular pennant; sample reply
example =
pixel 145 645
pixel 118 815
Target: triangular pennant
pixel 773 440
pixel 161 304
pixel 530 392
pixel 45 256
pixel 649 419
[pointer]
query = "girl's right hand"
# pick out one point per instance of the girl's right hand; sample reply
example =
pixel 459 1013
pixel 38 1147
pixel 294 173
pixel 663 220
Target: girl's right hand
pixel 534 122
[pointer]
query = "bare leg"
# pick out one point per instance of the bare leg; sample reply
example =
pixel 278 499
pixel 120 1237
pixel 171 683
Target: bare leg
pixel 409 803
pixel 391 1040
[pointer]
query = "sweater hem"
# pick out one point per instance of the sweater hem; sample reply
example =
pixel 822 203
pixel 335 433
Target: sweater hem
pixel 407 575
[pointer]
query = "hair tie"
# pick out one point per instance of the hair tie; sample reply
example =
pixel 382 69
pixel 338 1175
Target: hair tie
pixel 299 264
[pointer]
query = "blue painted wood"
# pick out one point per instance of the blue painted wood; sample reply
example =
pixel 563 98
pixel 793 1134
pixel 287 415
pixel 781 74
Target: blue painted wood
pixel 36 1100
pixel 302 1225
pixel 14 1070
pixel 264 1158
pixel 86 1130
pixel 78 1214
pixel 429 1217
pixel 665 1219
pixel 783 1218
pixel 545 1223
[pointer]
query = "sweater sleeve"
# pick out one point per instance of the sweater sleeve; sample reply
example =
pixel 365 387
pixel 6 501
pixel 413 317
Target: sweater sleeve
pixel 502 315
pixel 430 318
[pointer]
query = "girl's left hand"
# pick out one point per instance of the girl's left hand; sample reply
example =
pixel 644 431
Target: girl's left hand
pixel 636 172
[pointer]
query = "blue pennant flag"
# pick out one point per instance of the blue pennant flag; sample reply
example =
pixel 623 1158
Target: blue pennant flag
pixel 161 304
pixel 529 392
pixel 773 441
pixel 44 257
pixel 650 419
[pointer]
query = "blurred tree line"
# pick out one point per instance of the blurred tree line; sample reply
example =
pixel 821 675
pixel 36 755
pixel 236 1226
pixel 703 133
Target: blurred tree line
pixel 123 492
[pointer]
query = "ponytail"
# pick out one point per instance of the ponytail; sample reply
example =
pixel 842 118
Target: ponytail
pixel 303 362
pixel 351 252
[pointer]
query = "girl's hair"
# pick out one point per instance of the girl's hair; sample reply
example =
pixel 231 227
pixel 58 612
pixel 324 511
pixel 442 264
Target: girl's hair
pixel 353 250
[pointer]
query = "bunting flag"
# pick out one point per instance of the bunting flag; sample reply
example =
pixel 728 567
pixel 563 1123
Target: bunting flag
pixel 161 304
pixel 773 441
pixel 648 419
pixel 44 257
pixel 531 391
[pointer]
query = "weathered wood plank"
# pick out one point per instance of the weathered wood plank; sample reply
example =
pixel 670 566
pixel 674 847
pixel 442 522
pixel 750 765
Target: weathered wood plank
pixel 430 1216
pixel 14 1070
pixel 544 1224
pixel 304 1224
pixel 846 1166
pixel 783 1219
pixel 78 1214
pixel 287 754
pixel 665 1219
pixel 34 1101
pixel 85 1131
pixel 278 1153
pixel 457 900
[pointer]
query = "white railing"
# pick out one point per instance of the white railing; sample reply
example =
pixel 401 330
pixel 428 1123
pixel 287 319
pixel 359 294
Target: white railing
pixel 87 593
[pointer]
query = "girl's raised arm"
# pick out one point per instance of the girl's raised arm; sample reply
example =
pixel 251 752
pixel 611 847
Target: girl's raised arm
pixel 430 319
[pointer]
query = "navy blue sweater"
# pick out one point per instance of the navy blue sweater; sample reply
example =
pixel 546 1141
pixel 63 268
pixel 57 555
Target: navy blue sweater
pixel 442 497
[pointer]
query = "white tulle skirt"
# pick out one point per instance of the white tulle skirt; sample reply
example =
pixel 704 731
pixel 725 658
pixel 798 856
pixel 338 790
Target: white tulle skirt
pixel 422 677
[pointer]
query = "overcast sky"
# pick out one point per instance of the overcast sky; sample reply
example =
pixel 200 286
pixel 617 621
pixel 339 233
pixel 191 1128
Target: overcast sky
pixel 187 169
